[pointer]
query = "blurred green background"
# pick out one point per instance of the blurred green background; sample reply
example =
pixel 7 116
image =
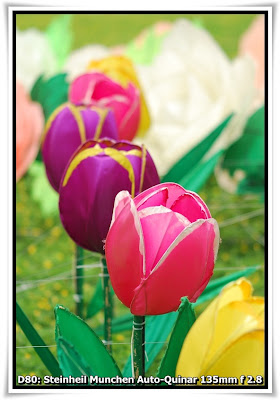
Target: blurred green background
pixel 44 253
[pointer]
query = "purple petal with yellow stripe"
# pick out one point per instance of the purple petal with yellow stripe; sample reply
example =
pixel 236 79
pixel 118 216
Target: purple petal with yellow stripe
pixel 66 129
pixel 96 173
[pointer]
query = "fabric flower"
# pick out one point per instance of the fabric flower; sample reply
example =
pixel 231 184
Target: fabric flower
pixel 190 88
pixel 227 339
pixel 29 126
pixel 121 69
pixel 66 129
pixel 160 247
pixel 96 173
pixel 34 57
pixel 97 89
pixel 252 43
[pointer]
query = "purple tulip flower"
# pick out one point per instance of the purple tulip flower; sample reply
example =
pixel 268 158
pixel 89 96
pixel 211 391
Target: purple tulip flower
pixel 96 173
pixel 66 129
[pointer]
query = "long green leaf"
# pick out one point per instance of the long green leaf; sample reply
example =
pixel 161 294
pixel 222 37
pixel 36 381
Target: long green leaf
pixel 200 173
pixel 215 285
pixel 194 156
pixel 247 155
pixel 85 343
pixel 184 322
pixel 35 339
pixel 70 361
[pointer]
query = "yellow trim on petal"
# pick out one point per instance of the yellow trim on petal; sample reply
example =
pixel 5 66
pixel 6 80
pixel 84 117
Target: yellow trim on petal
pixel 102 116
pixel 125 163
pixel 51 119
pixel 143 167
pixel 91 152
pixel 133 152
pixel 80 122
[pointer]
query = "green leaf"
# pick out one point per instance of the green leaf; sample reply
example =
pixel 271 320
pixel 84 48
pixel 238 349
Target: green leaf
pixel 247 155
pixel 158 328
pixel 184 322
pixel 215 285
pixel 194 156
pixel 85 343
pixel 35 339
pixel 70 361
pixel 41 190
pixel 50 93
pixel 200 173
pixel 60 37
pixel 97 302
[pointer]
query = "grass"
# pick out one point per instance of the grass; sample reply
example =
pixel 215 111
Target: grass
pixel 44 252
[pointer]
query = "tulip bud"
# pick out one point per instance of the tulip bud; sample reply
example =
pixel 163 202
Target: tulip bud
pixel 98 89
pixel 66 129
pixel 96 173
pixel 121 69
pixel 228 337
pixel 161 246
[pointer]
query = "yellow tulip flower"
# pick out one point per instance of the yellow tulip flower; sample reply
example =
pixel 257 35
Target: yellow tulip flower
pixel 121 69
pixel 227 339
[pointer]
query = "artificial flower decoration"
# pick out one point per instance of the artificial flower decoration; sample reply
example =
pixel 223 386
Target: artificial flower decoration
pixel 29 127
pixel 99 90
pixel 228 337
pixel 66 129
pixel 191 86
pixel 121 69
pixel 252 43
pixel 96 173
pixel 161 246
pixel 34 56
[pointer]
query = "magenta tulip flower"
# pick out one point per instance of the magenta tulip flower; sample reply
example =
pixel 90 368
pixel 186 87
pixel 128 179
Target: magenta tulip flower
pixel 97 89
pixel 67 128
pixel 96 173
pixel 160 247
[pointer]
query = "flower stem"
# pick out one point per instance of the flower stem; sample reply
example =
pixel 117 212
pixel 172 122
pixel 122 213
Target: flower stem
pixel 79 260
pixel 108 307
pixel 138 346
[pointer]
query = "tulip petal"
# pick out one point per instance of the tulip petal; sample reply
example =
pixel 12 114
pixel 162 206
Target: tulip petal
pixel 245 356
pixel 234 320
pixel 156 198
pixel 124 249
pixel 86 188
pixel 174 191
pixel 172 278
pixel 199 339
pixel 160 228
pixel 189 206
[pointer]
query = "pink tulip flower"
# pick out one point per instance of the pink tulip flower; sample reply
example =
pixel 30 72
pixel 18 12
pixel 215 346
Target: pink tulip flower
pixel 29 126
pixel 160 247
pixel 99 90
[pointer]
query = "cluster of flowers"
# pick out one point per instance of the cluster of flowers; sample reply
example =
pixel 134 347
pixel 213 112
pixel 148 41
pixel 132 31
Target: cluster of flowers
pixel 159 240
pixel 105 181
